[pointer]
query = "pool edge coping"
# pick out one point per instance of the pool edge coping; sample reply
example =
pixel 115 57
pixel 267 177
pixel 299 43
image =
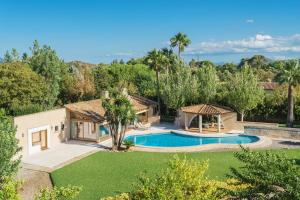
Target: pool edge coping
pixel 261 143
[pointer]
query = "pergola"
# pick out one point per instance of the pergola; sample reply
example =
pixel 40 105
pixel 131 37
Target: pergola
pixel 204 109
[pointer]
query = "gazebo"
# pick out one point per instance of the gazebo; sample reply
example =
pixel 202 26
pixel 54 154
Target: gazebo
pixel 204 110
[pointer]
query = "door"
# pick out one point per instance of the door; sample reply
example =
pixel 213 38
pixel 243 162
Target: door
pixel 44 138
pixel 80 130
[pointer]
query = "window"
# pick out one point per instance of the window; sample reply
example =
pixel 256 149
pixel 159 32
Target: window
pixel 36 138
pixel 62 126
pixel 155 110
pixel 56 128
pixel 93 127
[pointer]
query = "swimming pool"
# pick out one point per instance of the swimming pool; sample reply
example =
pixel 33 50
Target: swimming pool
pixel 172 139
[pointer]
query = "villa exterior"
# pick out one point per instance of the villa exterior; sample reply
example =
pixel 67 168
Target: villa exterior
pixel 80 121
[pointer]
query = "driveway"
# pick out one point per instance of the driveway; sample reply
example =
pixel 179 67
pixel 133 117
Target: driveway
pixel 60 155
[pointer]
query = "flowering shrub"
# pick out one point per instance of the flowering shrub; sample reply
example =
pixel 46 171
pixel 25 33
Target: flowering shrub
pixel 183 179
pixel 58 193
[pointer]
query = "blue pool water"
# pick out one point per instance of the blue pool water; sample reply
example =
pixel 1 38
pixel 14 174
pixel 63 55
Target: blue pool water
pixel 171 139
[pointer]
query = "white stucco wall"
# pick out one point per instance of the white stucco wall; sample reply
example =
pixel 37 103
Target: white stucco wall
pixel 27 124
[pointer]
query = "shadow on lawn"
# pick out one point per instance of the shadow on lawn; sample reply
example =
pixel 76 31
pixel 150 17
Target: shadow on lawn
pixel 290 143
pixel 297 161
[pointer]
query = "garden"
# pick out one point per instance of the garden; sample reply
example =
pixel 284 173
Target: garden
pixel 106 174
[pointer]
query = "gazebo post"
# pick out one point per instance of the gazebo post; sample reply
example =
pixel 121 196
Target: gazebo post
pixel 185 122
pixel 219 123
pixel 200 123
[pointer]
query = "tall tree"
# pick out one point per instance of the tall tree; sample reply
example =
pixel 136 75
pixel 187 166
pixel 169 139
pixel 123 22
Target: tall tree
pixel 180 89
pixel 156 60
pixel 45 62
pixel 290 75
pixel 119 113
pixel 244 93
pixel 171 59
pixel 11 56
pixel 181 41
pixel 208 83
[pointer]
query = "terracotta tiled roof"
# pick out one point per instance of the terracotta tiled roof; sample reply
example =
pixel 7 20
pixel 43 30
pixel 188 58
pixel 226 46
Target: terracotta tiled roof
pixel 206 109
pixel 269 85
pixel 93 109
pixel 143 100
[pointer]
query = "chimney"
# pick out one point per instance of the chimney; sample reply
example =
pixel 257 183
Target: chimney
pixel 105 94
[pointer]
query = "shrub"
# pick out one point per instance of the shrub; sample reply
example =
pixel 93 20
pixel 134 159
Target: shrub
pixel 183 179
pixel 8 188
pixel 128 144
pixel 58 193
pixel 9 161
pixel 25 109
pixel 271 176
pixel 123 196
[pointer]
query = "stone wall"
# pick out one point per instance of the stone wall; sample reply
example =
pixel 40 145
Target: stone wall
pixel 274 132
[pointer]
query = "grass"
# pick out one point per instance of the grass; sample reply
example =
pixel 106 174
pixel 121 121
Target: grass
pixel 108 173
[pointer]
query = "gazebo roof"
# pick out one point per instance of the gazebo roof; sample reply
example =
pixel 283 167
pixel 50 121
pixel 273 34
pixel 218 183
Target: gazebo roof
pixel 206 109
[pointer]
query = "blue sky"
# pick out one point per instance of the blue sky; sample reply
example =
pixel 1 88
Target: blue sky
pixel 100 31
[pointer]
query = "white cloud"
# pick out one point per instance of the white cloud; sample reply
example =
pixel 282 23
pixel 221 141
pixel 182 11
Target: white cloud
pixel 261 43
pixel 250 21
pixel 166 43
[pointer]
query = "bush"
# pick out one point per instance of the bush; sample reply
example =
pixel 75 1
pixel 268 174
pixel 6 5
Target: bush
pixel 18 110
pixel 9 161
pixel 9 188
pixel 58 193
pixel 128 144
pixel 271 176
pixel 183 179
pixel 123 196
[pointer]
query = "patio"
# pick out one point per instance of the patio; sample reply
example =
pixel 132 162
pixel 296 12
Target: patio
pixel 61 155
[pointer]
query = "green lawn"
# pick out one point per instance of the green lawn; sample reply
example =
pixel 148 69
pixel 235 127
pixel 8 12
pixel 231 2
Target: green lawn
pixel 107 173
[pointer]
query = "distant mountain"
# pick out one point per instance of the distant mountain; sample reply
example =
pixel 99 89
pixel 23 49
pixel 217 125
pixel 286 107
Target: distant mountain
pixel 81 65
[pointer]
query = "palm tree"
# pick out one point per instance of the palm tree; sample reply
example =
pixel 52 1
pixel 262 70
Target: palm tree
pixel 171 59
pixel 119 113
pixel 290 75
pixel 156 60
pixel 181 41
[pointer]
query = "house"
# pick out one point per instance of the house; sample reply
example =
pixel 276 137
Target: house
pixel 268 87
pixel 79 121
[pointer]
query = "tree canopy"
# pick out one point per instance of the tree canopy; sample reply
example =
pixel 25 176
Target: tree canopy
pixel 20 87
pixel 244 93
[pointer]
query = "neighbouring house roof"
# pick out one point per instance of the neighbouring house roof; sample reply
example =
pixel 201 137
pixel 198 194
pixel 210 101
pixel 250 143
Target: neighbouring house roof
pixel 93 110
pixel 269 85
pixel 206 109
